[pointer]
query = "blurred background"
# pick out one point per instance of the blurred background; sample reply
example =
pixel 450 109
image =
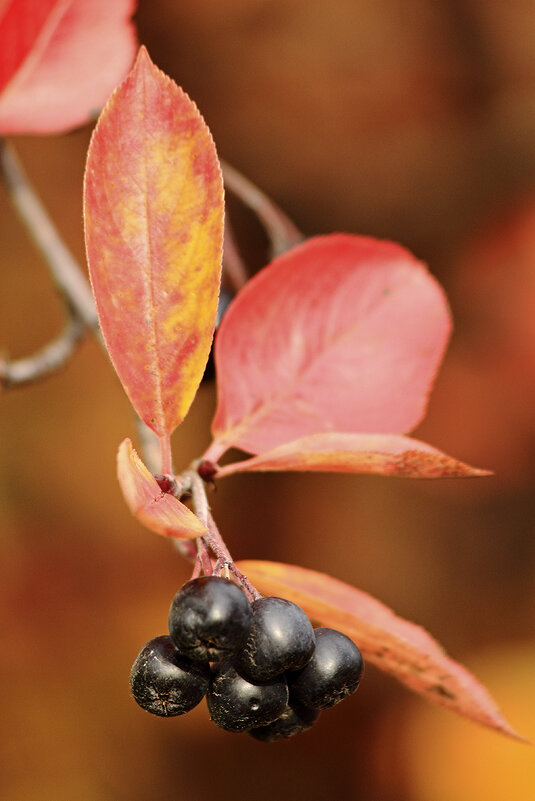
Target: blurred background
pixel 413 121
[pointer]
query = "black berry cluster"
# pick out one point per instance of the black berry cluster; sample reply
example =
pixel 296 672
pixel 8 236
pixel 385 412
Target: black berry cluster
pixel 262 667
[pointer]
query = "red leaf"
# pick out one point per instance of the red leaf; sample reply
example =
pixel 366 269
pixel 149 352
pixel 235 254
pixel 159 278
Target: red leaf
pixel 383 454
pixel 157 510
pixel 342 333
pixel 60 59
pixel 154 230
pixel 394 645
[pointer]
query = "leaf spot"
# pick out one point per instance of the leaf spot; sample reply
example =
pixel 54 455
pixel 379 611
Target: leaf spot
pixel 442 692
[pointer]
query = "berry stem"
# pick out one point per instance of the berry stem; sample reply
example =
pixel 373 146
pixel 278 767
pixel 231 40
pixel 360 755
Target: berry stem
pixel 196 569
pixel 217 544
pixel 249 588
pixel 213 541
pixel 203 557
pixel 195 485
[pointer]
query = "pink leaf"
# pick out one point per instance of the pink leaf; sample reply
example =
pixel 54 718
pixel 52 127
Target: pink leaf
pixel 342 333
pixel 394 645
pixel 157 510
pixel 153 209
pixel 383 454
pixel 60 59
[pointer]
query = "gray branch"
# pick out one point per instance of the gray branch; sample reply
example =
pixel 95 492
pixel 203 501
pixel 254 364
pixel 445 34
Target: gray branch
pixel 63 267
pixel 281 231
pixel 47 360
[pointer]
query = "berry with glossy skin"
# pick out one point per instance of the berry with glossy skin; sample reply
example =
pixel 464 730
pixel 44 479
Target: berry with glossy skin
pixel 236 704
pixel 295 719
pixel 209 618
pixel 165 682
pixel 332 674
pixel 281 638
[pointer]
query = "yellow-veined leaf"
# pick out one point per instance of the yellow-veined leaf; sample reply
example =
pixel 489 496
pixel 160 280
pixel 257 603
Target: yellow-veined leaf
pixel 153 206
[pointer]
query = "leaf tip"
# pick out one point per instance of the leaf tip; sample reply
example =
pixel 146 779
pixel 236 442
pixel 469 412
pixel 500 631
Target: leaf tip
pixel 159 511
pixel 142 57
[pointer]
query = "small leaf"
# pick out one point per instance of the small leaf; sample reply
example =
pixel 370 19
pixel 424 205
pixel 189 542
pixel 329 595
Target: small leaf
pixel 154 231
pixel 342 333
pixel 394 645
pixel 60 59
pixel 157 510
pixel 383 454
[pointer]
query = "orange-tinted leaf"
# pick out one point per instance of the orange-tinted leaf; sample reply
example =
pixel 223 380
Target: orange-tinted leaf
pixel 341 333
pixel 154 230
pixel 159 511
pixel 60 59
pixel 383 454
pixel 394 645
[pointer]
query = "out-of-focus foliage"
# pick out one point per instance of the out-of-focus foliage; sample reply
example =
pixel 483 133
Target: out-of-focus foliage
pixel 407 121
pixel 59 61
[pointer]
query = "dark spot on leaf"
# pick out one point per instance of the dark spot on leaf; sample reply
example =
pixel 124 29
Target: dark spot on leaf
pixel 442 692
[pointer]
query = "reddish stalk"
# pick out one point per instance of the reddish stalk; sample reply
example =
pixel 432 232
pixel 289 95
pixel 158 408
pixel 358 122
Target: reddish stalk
pixel 213 541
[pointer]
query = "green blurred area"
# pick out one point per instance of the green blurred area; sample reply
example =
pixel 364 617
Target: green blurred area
pixel 410 121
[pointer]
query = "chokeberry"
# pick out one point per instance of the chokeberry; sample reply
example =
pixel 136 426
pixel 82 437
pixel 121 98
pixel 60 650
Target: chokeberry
pixel 236 704
pixel 332 674
pixel 209 618
pixel 281 638
pixel 164 681
pixel 294 719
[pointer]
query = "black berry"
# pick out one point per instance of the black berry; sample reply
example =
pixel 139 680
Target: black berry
pixel 165 682
pixel 281 638
pixel 332 674
pixel 295 719
pixel 209 618
pixel 236 704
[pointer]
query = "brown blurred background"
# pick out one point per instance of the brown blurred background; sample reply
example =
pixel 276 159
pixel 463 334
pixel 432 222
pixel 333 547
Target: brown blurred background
pixel 409 120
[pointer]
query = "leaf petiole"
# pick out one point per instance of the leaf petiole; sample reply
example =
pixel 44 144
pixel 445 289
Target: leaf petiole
pixel 165 455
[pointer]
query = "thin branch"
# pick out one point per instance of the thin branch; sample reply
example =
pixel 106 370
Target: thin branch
pixel 44 362
pixel 217 544
pixel 213 540
pixel 233 265
pixel 194 482
pixel 282 232
pixel 63 267
pixel 203 557
pixel 75 289
pixel 65 270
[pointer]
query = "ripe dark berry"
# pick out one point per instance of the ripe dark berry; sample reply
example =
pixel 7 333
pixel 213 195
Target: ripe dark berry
pixel 236 704
pixel 295 719
pixel 165 682
pixel 281 638
pixel 209 618
pixel 332 674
